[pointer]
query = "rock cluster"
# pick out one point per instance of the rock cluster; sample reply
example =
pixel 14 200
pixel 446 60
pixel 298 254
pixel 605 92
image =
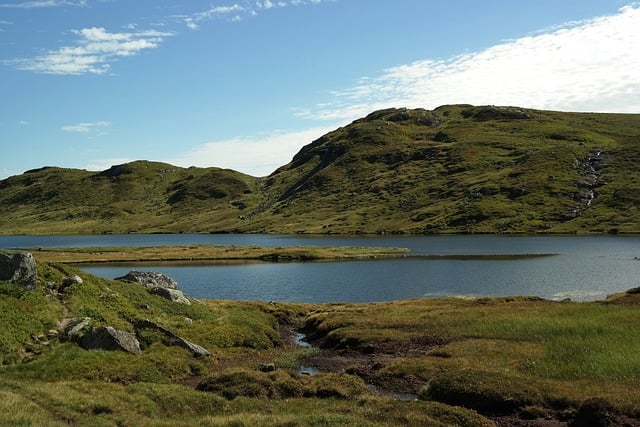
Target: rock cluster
pixel 149 279
pixel 158 284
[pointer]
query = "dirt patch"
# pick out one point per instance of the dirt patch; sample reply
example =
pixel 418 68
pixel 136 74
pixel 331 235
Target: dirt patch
pixel 368 360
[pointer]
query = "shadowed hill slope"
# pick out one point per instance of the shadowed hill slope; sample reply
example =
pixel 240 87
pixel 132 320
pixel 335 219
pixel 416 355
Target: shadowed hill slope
pixel 140 196
pixel 457 169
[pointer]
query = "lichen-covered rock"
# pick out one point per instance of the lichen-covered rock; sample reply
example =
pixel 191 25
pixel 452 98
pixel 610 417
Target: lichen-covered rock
pixel 19 269
pixel 108 338
pixel 171 294
pixel 149 279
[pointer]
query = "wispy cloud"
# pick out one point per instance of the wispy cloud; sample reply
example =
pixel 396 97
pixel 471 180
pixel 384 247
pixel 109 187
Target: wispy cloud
pixel 93 128
pixel 93 52
pixel 582 66
pixel 193 21
pixel 38 4
pixel 239 11
pixel 255 155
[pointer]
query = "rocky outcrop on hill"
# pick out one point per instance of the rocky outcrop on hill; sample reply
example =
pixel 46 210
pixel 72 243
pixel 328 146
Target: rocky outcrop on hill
pixel 149 279
pixel 158 284
pixel 19 269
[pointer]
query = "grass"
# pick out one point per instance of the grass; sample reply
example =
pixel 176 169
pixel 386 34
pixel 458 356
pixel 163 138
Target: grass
pixel 466 359
pixel 208 253
pixel 547 346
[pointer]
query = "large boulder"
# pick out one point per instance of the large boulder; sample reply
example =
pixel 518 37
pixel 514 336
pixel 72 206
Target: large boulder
pixel 149 279
pixel 171 294
pixel 108 338
pixel 19 269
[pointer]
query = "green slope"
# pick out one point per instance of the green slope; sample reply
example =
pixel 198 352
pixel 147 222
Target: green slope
pixel 462 169
pixel 135 197
pixel 454 169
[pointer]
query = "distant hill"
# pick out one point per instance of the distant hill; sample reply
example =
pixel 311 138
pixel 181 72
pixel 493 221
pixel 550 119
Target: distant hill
pixel 456 169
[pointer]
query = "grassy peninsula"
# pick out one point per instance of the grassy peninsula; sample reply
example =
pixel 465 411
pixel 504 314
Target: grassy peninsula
pixel 454 169
pixel 212 254
pixel 446 361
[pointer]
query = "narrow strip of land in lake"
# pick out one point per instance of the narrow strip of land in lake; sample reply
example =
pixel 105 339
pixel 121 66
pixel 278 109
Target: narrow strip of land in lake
pixel 210 253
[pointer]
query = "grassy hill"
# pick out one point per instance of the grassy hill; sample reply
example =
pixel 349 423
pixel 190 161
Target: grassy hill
pixel 455 169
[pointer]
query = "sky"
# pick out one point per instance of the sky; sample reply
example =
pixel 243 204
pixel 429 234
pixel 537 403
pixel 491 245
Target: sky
pixel 246 84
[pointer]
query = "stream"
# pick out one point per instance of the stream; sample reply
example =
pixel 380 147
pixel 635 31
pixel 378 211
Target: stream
pixel 300 340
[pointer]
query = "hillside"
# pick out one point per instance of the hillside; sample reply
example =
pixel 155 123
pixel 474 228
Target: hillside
pixel 454 169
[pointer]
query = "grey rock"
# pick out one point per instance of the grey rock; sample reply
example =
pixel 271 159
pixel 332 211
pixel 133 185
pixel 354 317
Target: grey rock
pixel 174 339
pixel 73 280
pixel 74 327
pixel 19 269
pixel 171 294
pixel 149 279
pixel 108 338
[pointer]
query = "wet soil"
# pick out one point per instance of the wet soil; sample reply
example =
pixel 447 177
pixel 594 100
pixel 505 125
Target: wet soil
pixel 368 361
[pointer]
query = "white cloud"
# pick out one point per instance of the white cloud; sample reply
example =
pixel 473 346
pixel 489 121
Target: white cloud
pixel 38 4
pixel 192 21
pixel 104 164
pixel 256 155
pixel 93 53
pixel 582 66
pixel 237 12
pixel 95 127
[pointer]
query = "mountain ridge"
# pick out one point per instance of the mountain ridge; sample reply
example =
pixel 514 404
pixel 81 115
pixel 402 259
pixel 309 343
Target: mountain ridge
pixel 454 169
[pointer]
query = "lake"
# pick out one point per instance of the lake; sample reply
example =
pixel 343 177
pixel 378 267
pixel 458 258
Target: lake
pixel 582 268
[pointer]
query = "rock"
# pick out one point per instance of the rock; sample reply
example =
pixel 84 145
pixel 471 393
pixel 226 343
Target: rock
pixel 19 269
pixel 174 339
pixel 108 338
pixel 171 294
pixel 73 280
pixel 74 327
pixel 267 367
pixel 195 349
pixel 149 279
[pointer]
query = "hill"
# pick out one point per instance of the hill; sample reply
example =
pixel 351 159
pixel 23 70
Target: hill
pixel 456 169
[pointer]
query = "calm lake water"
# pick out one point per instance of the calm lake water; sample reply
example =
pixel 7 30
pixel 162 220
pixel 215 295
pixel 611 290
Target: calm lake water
pixel 583 267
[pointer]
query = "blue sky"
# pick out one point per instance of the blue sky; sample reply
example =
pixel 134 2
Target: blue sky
pixel 245 84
